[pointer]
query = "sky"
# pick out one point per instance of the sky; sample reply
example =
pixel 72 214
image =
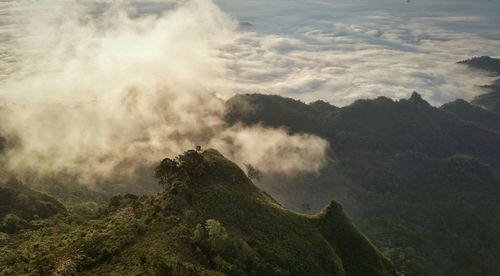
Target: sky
pixel 98 87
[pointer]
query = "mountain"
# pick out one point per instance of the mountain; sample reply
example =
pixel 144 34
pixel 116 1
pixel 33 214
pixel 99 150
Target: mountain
pixel 209 220
pixel 371 126
pixel 421 182
pixel 491 99
pixel 489 64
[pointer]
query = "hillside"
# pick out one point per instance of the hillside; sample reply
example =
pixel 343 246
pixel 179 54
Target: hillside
pixel 209 220
pixel 421 182
pixel 21 207
pixel 473 113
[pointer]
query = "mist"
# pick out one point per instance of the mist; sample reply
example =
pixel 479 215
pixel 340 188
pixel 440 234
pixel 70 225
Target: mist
pixel 98 90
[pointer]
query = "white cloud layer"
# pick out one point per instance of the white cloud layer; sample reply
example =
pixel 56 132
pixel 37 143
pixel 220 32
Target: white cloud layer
pixel 99 90
pixel 343 50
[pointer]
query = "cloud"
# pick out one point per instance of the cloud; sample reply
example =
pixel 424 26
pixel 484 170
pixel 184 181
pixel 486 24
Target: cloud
pixel 274 149
pixel 97 90
pixel 341 51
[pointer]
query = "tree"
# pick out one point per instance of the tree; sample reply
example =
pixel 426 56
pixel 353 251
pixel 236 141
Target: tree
pixel 167 172
pixel 192 163
pixel 189 165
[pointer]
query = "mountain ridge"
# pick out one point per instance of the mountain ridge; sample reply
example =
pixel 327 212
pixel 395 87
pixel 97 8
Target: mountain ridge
pixel 209 220
pixel 400 168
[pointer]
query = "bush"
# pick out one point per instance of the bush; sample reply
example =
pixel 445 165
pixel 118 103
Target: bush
pixel 12 223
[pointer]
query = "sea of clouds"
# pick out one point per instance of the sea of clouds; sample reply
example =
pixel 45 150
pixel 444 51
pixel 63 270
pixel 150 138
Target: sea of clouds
pixel 340 50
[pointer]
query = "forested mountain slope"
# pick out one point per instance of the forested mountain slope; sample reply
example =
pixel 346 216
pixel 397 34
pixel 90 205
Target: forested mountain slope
pixel 421 182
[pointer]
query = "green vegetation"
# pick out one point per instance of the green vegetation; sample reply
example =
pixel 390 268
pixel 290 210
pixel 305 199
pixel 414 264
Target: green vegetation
pixel 21 207
pixel 209 220
pixel 421 182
